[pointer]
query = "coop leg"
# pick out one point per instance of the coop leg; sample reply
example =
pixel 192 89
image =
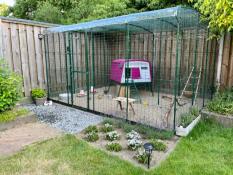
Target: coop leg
pixel 120 105
pixel 151 89
pixel 132 108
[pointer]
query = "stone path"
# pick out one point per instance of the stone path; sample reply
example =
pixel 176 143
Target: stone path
pixel 15 139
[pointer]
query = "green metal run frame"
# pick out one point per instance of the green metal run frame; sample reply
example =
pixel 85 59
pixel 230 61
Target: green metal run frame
pixel 177 72
pixel 194 76
pixel 87 69
pixel 86 63
pixel 93 70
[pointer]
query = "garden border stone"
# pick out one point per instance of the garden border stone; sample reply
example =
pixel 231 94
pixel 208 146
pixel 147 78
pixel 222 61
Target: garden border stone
pixel 27 118
pixel 225 120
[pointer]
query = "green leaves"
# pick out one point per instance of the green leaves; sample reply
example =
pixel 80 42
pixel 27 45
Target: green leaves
pixel 38 93
pixel 219 14
pixel 222 102
pixel 74 11
pixel 10 87
pixel 49 13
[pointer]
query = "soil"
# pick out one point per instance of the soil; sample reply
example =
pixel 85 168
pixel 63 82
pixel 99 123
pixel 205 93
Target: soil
pixel 15 139
pixel 126 154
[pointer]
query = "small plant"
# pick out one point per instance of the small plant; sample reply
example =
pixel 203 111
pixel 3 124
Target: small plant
pixel 109 121
pixel 91 128
pixel 107 128
pixel 186 119
pixel 116 147
pixel 134 144
pixel 158 146
pixel 113 135
pixel 133 135
pixel 38 93
pixel 92 137
pixel 194 111
pixel 128 127
pixel 141 156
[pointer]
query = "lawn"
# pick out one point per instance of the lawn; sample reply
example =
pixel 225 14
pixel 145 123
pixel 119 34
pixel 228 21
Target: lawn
pixel 207 150
pixel 12 114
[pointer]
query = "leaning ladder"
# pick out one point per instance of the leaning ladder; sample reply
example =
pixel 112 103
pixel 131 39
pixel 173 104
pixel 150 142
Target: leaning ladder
pixel 182 93
pixel 198 82
pixel 134 91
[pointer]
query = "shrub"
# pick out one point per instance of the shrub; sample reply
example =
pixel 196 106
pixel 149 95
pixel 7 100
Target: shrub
pixel 141 156
pixel 116 147
pixel 92 137
pixel 113 135
pixel 91 128
pixel 107 128
pixel 10 87
pixel 159 146
pixel 38 93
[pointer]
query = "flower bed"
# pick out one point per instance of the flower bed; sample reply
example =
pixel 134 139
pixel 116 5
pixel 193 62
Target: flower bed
pixel 222 103
pixel 221 108
pixel 125 141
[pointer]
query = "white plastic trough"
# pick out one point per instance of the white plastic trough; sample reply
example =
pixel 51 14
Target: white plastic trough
pixel 180 131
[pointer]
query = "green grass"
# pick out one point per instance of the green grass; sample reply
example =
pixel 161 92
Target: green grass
pixel 10 115
pixel 65 155
pixel 207 150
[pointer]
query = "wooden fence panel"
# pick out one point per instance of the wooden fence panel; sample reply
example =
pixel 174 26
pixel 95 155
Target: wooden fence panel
pixel 226 69
pixel 24 51
pixel 38 57
pixel 24 58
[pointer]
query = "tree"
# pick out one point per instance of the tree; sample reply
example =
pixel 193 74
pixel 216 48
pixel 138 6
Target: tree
pixel 73 11
pixel 107 9
pixel 219 14
pixel 4 9
pixel 146 5
pixel 25 8
pixel 48 13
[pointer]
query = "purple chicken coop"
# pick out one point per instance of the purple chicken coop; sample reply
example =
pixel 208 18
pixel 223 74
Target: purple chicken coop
pixel 136 70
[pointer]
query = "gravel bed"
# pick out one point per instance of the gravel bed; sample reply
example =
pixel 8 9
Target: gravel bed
pixel 65 118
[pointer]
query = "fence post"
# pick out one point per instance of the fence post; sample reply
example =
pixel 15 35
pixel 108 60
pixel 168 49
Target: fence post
pixel 219 63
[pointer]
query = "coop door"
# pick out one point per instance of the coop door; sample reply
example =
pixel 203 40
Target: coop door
pixel 135 73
